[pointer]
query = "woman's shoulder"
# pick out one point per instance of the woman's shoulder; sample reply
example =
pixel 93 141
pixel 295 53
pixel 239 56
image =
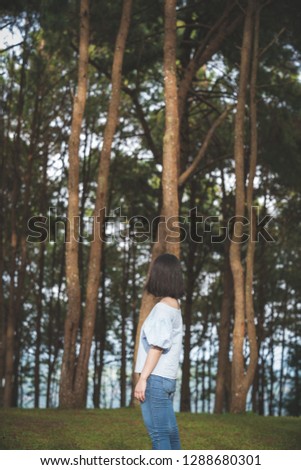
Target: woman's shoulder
pixel 169 303
pixel 163 310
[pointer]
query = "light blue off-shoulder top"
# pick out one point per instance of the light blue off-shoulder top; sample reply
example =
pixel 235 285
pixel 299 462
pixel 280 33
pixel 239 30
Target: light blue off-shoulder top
pixel 163 328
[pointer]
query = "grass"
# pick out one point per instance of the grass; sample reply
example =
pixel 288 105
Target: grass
pixel 123 429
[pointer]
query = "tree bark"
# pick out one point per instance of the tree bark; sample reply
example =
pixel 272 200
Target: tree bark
pixel 203 379
pixel 261 302
pixel 100 341
pixel 40 290
pixel 123 310
pixel 196 398
pixel 271 365
pixel 134 292
pixel 262 381
pixel 251 329
pixel 224 335
pixel 243 306
pixel 2 204
pixel 282 360
pixel 12 314
pixel 86 178
pixel 170 200
pixel 185 402
pixel 185 384
pixel 2 320
pixel 52 313
pixel 72 268
pixel 38 326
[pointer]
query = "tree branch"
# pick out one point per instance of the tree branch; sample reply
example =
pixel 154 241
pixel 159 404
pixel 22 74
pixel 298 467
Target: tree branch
pixel 214 162
pixel 11 47
pixel 201 153
pixel 145 126
pixel 275 38
pixel 211 43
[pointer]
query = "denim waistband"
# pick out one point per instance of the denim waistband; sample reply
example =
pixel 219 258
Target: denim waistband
pixel 159 378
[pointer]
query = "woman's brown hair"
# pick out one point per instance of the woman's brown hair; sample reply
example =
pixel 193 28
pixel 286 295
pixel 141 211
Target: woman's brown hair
pixel 165 277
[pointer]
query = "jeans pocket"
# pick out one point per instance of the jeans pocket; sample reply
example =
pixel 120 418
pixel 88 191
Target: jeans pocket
pixel 169 385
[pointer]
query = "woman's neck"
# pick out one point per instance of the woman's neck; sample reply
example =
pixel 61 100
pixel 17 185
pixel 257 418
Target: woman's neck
pixel 170 301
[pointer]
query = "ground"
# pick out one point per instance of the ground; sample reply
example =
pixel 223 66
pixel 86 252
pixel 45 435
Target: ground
pixel 124 429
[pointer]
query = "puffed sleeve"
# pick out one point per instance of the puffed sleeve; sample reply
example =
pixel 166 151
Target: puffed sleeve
pixel 158 329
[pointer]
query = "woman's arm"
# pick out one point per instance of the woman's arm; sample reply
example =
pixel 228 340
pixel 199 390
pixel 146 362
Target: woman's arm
pixel 152 359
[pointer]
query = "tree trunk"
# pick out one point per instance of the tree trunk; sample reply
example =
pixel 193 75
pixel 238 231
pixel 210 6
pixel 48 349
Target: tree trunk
pixel 243 305
pixel 170 202
pixel 15 291
pixel 196 399
pixel 2 305
pixel 100 341
pixel 123 310
pixel 72 267
pixel 12 314
pixel 203 378
pixel 281 378
pixel 224 335
pixel 2 321
pixel 4 156
pixel 50 331
pixel 271 366
pixel 99 212
pixel 134 293
pixel 185 384
pixel 54 312
pixel 191 275
pixel 86 179
pixel 38 326
pixel 251 328
pixel 209 368
pixel 40 293
pixel 261 301
pixel 98 364
pixel 261 396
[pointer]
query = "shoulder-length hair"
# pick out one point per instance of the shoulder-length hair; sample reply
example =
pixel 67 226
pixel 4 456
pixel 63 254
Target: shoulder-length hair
pixel 165 277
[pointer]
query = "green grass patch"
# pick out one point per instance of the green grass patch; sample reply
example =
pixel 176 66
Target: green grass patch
pixel 124 429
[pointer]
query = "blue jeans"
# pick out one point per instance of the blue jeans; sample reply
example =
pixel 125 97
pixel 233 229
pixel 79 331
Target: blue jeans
pixel 158 414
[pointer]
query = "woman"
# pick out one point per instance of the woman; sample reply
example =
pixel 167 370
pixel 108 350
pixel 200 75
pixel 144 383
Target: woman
pixel 159 353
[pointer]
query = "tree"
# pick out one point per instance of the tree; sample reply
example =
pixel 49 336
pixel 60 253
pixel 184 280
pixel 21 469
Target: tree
pixel 18 241
pixel 243 296
pixel 170 201
pixel 72 267
pixel 79 387
pixel 172 180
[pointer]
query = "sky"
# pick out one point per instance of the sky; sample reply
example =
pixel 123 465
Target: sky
pixel 9 38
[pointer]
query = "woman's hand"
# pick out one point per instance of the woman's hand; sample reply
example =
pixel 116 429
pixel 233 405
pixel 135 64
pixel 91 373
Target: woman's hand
pixel 139 392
